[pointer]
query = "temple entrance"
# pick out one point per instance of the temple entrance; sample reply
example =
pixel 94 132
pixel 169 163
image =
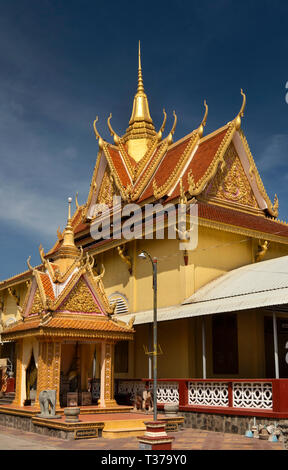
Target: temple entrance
pixel 80 374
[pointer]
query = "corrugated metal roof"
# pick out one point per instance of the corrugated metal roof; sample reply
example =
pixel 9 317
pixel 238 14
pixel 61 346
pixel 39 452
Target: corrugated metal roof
pixel 263 284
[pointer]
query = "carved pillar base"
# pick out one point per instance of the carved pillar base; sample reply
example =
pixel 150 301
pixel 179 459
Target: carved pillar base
pixel 107 376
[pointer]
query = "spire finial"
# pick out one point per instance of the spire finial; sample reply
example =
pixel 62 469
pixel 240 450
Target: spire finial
pixel 140 78
pixel 69 208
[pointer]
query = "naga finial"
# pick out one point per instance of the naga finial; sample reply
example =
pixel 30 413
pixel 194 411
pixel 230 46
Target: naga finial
pixel 204 120
pixel 241 112
pixel 101 142
pixel 101 275
pixel 29 265
pixel 76 200
pixel 170 135
pixel 161 130
pixel 112 132
pixel 42 254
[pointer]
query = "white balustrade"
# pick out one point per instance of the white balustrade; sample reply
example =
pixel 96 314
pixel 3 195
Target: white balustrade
pixel 252 395
pixel 167 392
pixel 208 393
pixel 131 387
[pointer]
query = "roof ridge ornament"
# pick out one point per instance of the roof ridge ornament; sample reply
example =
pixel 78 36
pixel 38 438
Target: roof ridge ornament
pixel 204 120
pixel 170 135
pixel 98 136
pixel 112 132
pixel 237 120
pixel 161 130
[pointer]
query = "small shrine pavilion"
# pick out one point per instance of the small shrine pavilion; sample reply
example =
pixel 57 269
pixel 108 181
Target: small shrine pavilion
pixel 65 314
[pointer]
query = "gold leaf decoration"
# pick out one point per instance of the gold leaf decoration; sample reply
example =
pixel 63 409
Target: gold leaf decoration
pixel 80 300
pixel 231 184
pixel 37 305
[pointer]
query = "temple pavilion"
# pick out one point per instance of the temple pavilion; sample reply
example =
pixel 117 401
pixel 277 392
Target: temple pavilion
pixel 222 313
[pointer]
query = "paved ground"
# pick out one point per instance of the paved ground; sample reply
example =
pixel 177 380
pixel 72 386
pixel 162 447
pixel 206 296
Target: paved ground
pixel 188 439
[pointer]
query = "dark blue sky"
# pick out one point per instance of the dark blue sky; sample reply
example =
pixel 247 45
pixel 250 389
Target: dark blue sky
pixel 63 62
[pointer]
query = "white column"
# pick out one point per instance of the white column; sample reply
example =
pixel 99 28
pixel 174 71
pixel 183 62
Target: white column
pixel 204 348
pixel 276 358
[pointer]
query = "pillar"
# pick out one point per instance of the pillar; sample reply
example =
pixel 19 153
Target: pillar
pixel 49 364
pixel 107 376
pixel 18 378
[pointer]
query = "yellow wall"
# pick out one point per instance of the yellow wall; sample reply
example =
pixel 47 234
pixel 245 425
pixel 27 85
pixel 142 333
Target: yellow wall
pixel 217 253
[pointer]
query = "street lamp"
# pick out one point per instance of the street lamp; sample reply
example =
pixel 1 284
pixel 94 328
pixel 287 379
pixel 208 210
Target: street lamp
pixel 145 255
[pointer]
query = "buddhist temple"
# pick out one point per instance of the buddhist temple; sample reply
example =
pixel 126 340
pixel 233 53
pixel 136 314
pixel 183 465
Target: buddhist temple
pixel 86 312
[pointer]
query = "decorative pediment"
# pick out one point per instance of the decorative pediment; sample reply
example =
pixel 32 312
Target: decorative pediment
pixel 81 299
pixel 37 304
pixel 107 189
pixel 230 183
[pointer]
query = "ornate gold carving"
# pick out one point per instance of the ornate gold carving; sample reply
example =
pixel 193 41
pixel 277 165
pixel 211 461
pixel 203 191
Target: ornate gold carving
pixel 161 130
pixel 272 209
pixel 109 375
pixel 13 293
pixel 106 191
pixel 237 120
pixel 204 120
pixel 171 133
pixel 261 250
pixel 49 361
pixel 37 305
pixel 101 141
pixel 275 206
pixel 80 299
pixel 182 197
pixel 196 188
pixel 126 258
pixel 112 132
pixel 232 184
pixel 175 174
pixel 29 265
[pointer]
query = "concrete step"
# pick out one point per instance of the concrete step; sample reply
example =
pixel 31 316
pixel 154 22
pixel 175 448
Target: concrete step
pixel 7 399
pixel 123 428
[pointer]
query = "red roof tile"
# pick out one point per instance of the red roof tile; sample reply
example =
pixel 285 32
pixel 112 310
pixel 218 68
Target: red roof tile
pixel 241 219
pixel 68 323
pixel 46 283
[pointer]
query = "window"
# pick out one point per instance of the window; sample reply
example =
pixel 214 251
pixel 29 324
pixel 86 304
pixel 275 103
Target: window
pixel 225 344
pixel 121 303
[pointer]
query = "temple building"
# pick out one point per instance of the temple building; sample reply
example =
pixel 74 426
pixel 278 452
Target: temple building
pixel 222 310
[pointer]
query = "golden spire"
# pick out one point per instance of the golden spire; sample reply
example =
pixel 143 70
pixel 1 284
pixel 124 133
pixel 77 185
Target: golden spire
pixel 68 250
pixel 140 78
pixel 141 128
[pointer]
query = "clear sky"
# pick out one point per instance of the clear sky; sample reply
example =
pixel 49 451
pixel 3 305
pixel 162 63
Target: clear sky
pixel 62 62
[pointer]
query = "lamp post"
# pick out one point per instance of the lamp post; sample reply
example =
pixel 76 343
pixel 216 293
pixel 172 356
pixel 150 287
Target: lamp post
pixel 145 255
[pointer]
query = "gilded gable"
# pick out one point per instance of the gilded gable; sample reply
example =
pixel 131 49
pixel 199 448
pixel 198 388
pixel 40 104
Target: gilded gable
pixel 231 184
pixel 106 190
pixel 37 305
pixel 80 300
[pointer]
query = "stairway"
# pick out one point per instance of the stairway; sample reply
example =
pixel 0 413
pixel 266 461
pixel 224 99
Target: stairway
pixel 7 398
